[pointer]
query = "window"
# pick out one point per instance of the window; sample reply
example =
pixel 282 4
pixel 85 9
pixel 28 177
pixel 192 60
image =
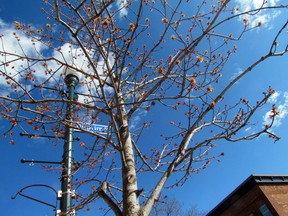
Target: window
pixel 265 210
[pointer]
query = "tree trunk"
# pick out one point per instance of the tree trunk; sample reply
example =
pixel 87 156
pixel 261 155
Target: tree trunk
pixel 131 204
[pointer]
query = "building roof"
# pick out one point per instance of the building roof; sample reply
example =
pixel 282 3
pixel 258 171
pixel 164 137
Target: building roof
pixel 250 182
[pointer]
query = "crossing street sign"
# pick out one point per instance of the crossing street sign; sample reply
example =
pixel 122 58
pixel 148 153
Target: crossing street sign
pixel 96 128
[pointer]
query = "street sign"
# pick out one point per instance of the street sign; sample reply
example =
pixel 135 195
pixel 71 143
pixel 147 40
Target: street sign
pixel 96 128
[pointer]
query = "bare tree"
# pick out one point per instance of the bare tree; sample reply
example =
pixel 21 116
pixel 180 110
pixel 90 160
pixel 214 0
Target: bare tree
pixel 169 208
pixel 172 207
pixel 193 211
pixel 136 58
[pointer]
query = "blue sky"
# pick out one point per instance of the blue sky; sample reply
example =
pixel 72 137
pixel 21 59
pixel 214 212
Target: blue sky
pixel 210 186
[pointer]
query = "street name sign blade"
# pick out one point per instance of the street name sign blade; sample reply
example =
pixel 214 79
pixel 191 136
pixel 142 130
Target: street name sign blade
pixel 99 128
pixel 96 128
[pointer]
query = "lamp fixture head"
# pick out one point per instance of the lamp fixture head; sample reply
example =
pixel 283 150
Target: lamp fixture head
pixel 72 77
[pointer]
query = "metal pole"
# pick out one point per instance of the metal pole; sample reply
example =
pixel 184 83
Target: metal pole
pixel 67 158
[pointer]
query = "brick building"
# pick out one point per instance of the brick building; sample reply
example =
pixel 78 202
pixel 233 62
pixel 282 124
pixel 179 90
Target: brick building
pixel 259 195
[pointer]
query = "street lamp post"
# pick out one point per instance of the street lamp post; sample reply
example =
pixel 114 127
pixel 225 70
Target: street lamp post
pixel 72 78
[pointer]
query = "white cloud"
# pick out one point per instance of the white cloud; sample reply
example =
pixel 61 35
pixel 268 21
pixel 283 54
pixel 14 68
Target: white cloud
pixel 262 17
pixel 20 44
pixel 273 98
pixel 67 54
pixel 121 4
pixel 282 108
pixel 15 43
pixel 236 74
pixel 248 129
pixel 134 123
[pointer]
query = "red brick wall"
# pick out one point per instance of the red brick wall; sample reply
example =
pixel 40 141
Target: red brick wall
pixel 249 203
pixel 277 194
